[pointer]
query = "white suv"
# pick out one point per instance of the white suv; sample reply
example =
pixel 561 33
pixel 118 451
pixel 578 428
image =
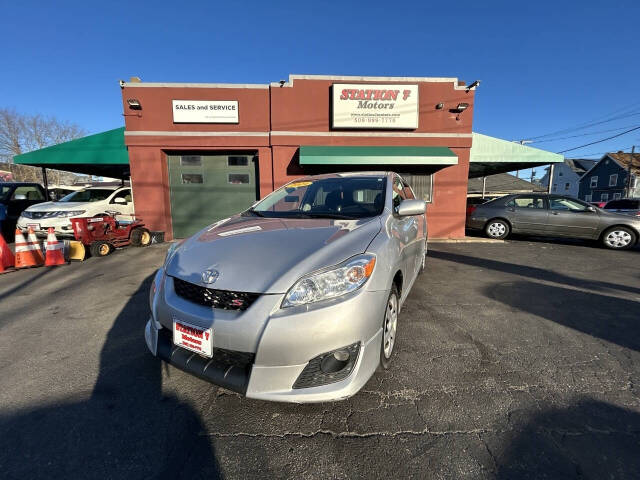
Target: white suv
pixel 89 202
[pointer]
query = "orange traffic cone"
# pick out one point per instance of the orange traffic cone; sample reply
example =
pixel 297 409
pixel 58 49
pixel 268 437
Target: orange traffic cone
pixel 28 253
pixel 55 255
pixel 7 260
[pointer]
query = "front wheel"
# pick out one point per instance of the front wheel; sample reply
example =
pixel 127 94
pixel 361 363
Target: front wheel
pixel 100 249
pixel 619 238
pixel 497 229
pixel 389 327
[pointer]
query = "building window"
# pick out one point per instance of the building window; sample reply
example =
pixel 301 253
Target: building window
pixel 616 196
pixel 555 187
pixel 604 197
pixel 238 161
pixel 567 186
pixel 613 180
pixel 594 182
pixel 559 174
pixel 422 185
pixel 587 198
pixel 188 178
pixel 191 161
pixel 238 178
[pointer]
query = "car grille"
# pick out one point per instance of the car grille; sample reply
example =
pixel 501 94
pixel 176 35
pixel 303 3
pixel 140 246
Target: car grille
pixel 209 297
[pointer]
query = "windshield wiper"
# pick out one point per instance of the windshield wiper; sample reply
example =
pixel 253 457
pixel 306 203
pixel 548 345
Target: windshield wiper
pixel 331 215
pixel 255 212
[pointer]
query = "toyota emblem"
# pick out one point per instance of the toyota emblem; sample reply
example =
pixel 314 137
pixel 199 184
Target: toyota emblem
pixel 210 276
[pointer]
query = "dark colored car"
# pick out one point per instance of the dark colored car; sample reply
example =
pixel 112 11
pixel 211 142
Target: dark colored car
pixel 554 216
pixel 626 206
pixel 14 198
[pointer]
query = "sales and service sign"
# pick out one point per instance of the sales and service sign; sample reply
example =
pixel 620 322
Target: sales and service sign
pixel 205 111
pixel 375 106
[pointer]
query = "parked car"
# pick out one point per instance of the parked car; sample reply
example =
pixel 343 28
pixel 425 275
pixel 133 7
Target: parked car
pixel 88 202
pixel 598 204
pixel 626 206
pixel 14 198
pixel 297 298
pixel 554 216
pixel 473 202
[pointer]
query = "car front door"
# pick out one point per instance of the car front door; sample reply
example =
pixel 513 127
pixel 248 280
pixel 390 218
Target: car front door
pixel 23 197
pixel 405 230
pixel 529 214
pixel 570 217
pixel 125 209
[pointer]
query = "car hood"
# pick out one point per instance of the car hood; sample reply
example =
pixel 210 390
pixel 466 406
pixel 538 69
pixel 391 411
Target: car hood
pixel 58 206
pixel 267 255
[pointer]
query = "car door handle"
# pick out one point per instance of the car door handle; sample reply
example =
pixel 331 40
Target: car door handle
pixel 512 209
pixel 554 213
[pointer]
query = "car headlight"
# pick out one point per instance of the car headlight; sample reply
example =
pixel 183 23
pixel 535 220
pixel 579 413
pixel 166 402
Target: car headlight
pixel 340 280
pixel 172 251
pixel 70 213
pixel 26 214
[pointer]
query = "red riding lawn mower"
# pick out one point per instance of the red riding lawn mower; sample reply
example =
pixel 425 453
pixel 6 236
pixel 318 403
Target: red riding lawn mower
pixel 104 234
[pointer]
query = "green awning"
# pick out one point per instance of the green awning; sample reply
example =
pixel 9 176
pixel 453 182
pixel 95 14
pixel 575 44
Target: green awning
pixel 491 155
pixel 103 154
pixel 387 155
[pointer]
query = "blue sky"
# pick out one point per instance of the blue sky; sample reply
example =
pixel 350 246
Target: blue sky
pixel 545 66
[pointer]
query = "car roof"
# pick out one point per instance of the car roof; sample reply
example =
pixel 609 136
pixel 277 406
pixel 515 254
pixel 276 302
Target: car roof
pixel 344 175
pixel 106 187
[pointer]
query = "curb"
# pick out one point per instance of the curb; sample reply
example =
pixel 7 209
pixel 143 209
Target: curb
pixel 464 240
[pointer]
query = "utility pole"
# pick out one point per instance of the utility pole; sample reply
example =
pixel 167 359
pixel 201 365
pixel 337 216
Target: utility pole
pixel 550 177
pixel 628 194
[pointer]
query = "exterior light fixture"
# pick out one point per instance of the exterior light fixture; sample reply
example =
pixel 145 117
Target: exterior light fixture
pixel 462 107
pixel 439 106
pixel 476 83
pixel 134 104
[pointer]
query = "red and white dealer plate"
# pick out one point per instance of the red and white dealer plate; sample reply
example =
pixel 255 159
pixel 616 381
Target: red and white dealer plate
pixel 196 339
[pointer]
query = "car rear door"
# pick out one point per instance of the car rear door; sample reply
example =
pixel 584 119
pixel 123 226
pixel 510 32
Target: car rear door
pixel 570 217
pixel 529 214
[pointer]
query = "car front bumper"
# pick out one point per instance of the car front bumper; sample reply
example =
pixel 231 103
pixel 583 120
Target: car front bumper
pixel 263 351
pixel 61 225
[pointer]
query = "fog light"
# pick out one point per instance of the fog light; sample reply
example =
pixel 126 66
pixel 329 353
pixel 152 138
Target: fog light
pixel 335 362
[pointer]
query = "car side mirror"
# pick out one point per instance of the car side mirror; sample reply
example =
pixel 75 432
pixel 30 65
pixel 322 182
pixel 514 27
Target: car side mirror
pixel 120 201
pixel 411 207
pixel 591 209
pixel 20 196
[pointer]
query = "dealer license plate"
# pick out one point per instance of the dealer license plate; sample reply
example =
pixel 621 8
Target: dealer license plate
pixel 196 339
pixel 35 226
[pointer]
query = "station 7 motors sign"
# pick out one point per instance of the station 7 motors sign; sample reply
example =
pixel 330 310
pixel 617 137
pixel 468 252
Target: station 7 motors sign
pixel 375 106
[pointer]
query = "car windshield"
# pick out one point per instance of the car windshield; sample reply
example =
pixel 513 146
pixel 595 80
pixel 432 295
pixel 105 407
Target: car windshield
pixel 92 195
pixel 335 197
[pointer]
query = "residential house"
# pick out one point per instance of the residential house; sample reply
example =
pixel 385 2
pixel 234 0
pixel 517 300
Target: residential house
pixel 499 185
pixel 610 178
pixel 566 176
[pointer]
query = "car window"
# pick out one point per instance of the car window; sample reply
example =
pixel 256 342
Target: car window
pixel 91 195
pixel 4 191
pixel 398 193
pixel 567 204
pixel 625 204
pixel 527 202
pixel 125 193
pixel 29 191
pixel 354 197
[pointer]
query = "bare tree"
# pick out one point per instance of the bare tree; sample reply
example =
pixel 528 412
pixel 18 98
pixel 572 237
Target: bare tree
pixel 21 133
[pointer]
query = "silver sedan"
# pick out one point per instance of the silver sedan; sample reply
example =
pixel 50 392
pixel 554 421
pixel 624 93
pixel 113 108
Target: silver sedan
pixel 297 298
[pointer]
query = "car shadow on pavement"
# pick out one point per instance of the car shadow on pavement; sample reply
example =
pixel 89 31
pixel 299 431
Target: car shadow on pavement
pixel 590 439
pixel 126 427
pixel 530 272
pixel 613 319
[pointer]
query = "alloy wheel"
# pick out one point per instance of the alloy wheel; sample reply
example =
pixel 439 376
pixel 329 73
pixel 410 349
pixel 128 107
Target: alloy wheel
pixel 618 239
pixel 496 229
pixel 390 325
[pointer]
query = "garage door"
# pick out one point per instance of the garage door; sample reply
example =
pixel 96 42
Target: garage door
pixel 207 188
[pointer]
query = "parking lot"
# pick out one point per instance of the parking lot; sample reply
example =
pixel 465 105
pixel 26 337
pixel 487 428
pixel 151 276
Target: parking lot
pixel 515 359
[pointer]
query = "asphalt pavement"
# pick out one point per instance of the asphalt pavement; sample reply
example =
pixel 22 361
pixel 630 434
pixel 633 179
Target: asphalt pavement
pixel 515 360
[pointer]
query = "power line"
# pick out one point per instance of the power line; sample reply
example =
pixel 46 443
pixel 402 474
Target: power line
pixel 587 134
pixel 599 141
pixel 596 121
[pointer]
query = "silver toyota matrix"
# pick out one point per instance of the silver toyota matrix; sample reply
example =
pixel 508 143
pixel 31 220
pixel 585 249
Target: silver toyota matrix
pixel 297 298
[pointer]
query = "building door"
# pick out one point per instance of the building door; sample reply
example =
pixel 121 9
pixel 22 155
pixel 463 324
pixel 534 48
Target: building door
pixel 207 188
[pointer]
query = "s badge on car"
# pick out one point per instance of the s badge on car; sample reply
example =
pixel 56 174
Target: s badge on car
pixel 210 276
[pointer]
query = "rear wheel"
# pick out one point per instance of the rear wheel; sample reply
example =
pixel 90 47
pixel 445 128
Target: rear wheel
pixel 140 237
pixel 497 229
pixel 619 238
pixel 100 249
pixel 389 327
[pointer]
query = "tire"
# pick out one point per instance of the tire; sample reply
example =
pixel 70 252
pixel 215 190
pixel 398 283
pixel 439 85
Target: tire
pixel 100 249
pixel 497 229
pixel 389 328
pixel 140 237
pixel 619 238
